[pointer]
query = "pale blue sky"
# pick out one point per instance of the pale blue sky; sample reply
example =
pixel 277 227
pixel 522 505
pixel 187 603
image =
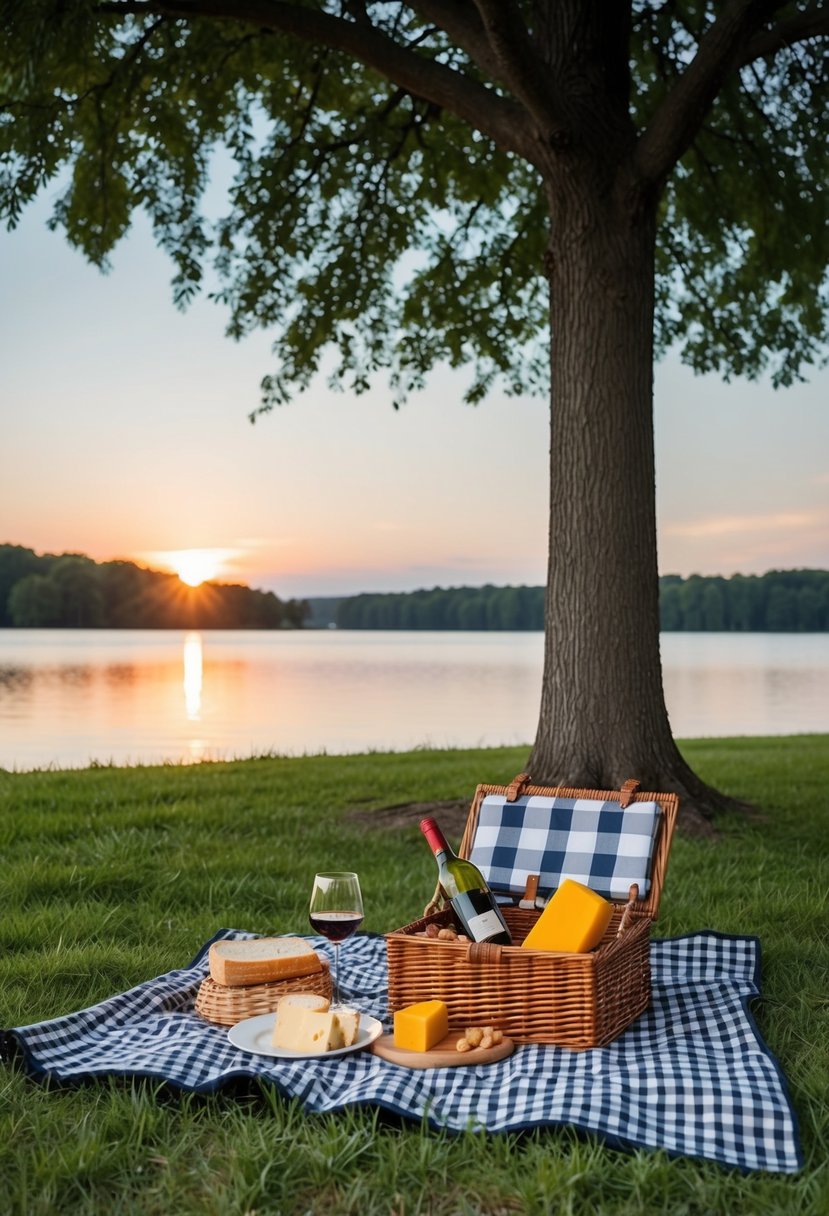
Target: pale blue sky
pixel 124 433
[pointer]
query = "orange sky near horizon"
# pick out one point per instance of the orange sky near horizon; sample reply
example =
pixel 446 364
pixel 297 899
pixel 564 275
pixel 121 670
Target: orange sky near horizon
pixel 125 435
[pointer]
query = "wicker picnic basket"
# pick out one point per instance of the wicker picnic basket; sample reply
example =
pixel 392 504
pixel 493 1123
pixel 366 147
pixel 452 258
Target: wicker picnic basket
pixel 537 996
pixel 228 1005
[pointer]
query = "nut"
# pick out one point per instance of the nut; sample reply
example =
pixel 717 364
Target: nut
pixel 447 935
pixel 432 931
pixel 483 1037
pixel 463 1045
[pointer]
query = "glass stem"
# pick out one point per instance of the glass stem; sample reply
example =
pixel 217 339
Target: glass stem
pixel 335 972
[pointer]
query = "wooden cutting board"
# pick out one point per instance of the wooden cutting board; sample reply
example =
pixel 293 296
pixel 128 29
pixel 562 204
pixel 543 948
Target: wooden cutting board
pixel 442 1055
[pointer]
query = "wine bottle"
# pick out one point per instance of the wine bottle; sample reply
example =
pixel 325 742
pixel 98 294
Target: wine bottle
pixel 465 887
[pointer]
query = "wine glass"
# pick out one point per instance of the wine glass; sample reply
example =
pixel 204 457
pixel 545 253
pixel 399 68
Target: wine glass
pixel 336 911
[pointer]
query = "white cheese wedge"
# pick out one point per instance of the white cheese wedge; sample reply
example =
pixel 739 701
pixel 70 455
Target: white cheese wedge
pixel 350 1024
pixel 300 1029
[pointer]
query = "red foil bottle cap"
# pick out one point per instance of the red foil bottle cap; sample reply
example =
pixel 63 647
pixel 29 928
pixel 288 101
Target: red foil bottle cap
pixel 434 835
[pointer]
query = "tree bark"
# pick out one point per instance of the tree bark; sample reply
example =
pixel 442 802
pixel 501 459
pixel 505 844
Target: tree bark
pixel 603 717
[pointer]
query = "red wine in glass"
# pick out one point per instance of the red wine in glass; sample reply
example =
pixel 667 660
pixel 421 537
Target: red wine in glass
pixel 336 911
pixel 336 926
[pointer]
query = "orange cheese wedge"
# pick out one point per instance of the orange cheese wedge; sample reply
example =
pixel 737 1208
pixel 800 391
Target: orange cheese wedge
pixel 574 920
pixel 419 1027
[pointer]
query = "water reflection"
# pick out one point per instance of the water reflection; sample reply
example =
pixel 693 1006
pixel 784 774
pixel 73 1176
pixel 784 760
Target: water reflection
pixel 15 679
pixel 193 675
pixel 71 697
pixel 122 673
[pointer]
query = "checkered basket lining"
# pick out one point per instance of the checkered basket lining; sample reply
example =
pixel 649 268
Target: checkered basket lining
pixel 596 842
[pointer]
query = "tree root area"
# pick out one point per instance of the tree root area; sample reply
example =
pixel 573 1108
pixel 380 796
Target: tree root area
pixel 697 808
pixel 451 815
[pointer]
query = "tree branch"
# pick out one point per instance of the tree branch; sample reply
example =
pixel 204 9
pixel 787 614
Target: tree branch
pixel 500 118
pixel 460 20
pixel 676 122
pixel 810 22
pixel 521 67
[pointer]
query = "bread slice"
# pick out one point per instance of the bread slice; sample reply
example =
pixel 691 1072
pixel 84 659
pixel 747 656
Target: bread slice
pixel 261 960
pixel 305 1000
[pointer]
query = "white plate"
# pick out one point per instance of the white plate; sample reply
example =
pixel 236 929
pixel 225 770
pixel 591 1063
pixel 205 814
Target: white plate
pixel 254 1034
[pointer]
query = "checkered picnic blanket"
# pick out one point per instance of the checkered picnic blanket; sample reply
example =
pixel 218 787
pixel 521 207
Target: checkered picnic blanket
pixel 691 1076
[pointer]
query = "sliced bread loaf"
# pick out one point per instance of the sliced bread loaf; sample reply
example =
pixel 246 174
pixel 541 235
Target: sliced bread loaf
pixel 261 960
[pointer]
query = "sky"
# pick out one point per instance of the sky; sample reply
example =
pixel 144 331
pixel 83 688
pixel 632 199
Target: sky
pixel 124 433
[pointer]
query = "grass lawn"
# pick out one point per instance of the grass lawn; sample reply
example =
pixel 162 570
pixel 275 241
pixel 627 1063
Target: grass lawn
pixel 111 876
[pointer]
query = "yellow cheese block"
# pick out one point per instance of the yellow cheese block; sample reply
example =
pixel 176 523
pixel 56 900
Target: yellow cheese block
pixel 307 1030
pixel 574 920
pixel 419 1027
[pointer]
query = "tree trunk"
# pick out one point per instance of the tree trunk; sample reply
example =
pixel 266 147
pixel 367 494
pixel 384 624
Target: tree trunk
pixel 603 717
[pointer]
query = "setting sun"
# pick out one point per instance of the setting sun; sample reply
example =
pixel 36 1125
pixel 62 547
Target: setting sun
pixel 195 566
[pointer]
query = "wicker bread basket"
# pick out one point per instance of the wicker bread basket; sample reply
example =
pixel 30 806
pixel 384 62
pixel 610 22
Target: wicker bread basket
pixel 227 1006
pixel 538 996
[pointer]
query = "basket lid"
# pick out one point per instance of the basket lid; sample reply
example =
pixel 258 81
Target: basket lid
pixel 524 836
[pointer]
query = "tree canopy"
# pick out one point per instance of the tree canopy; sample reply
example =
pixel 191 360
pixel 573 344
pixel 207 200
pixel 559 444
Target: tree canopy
pixel 385 203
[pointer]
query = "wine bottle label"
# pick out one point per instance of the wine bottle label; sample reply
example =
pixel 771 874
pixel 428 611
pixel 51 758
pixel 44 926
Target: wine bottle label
pixel 485 925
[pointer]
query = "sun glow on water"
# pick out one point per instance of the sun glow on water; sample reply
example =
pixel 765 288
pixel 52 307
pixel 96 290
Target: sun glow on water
pixel 193 663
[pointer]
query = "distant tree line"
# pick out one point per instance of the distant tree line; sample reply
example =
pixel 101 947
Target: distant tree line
pixel 781 601
pixel 454 608
pixel 71 591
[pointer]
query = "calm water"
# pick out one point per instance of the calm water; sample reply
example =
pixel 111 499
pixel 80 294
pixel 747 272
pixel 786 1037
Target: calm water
pixel 68 698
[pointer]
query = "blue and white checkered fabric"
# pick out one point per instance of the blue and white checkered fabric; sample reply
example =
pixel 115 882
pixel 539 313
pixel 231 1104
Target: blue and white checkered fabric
pixel 691 1076
pixel 596 843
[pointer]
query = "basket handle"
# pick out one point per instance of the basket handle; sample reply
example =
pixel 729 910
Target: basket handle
pixel 436 903
pixel 483 952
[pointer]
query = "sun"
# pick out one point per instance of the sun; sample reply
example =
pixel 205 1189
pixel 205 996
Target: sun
pixel 194 566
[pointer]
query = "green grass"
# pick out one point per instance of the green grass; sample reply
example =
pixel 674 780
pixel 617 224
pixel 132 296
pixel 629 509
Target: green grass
pixel 110 876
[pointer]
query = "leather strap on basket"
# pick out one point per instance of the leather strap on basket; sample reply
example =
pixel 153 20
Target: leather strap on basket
pixel 530 891
pixel 628 790
pixel 514 788
pixel 483 952
pixel 633 895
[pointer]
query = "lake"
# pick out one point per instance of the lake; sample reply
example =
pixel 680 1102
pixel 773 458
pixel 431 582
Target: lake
pixel 70 698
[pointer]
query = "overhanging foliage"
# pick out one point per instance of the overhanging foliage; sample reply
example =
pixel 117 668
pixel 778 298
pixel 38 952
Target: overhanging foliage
pixel 365 218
